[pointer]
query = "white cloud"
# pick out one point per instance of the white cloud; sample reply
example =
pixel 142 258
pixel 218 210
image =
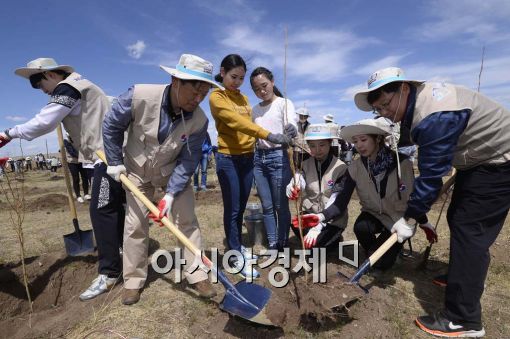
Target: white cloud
pixel 15 118
pixel 231 9
pixel 318 54
pixel 136 50
pixel 479 22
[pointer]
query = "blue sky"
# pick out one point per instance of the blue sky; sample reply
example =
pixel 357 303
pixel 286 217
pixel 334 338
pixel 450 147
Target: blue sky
pixel 333 46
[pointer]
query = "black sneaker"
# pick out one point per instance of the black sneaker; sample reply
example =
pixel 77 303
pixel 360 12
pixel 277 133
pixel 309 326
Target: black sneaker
pixel 440 280
pixel 438 325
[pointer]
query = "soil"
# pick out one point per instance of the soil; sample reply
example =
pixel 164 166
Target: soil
pixel 49 201
pixel 55 281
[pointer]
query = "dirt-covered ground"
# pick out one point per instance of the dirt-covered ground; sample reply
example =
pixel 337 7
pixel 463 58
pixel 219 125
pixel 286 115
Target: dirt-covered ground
pixel 168 309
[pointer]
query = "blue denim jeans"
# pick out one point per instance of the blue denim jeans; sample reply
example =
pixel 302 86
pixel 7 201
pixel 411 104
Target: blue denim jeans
pixel 272 175
pixel 235 175
pixel 202 166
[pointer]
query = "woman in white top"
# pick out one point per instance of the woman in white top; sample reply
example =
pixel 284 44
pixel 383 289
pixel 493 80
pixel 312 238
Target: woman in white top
pixel 272 167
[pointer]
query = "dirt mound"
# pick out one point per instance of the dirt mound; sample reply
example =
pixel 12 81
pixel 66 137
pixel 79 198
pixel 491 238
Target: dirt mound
pixel 207 197
pixel 55 283
pixel 49 201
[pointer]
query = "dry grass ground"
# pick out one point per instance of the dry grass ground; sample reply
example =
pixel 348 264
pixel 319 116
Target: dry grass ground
pixel 170 310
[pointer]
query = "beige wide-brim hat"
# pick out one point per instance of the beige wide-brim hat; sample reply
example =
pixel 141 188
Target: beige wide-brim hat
pixel 329 117
pixel 377 80
pixel 192 67
pixel 41 65
pixel 364 127
pixel 303 111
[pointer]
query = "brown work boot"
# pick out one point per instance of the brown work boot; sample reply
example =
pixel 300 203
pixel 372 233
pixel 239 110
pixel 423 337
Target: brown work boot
pixel 130 297
pixel 204 289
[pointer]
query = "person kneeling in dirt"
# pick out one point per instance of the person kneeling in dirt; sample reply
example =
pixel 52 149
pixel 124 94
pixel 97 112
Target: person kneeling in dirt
pixel 166 129
pixel 382 193
pixel 316 180
pixel 77 102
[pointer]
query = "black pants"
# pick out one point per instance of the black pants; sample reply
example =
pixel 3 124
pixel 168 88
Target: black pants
pixel 76 171
pixel 107 215
pixel 477 212
pixel 366 229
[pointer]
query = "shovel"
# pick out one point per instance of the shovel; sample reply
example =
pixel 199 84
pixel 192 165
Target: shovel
pixel 370 261
pixel 245 300
pixel 79 242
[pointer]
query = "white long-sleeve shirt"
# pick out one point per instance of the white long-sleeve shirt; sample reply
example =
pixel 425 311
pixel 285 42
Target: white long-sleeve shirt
pixel 64 100
pixel 272 118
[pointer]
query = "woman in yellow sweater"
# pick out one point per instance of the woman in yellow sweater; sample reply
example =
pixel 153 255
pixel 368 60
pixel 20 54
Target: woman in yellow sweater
pixel 234 159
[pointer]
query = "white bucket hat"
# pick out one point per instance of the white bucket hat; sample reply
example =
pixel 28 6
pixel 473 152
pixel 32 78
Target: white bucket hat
pixel 302 111
pixel 41 65
pixel 329 117
pixel 321 132
pixel 378 79
pixel 192 67
pixel 366 126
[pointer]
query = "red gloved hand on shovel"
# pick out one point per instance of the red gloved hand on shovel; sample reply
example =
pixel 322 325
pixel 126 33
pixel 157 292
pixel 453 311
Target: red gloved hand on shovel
pixel 3 161
pixel 308 220
pixel 164 206
pixel 430 232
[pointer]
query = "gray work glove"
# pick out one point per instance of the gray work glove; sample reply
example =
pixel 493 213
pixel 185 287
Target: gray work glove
pixel 278 138
pixel 290 130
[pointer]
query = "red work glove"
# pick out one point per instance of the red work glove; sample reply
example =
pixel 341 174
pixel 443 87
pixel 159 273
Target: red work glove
pixel 294 193
pixel 307 220
pixel 3 161
pixel 310 238
pixel 165 207
pixel 430 232
pixel 4 139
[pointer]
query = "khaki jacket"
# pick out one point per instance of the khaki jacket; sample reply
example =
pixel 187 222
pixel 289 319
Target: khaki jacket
pixel 144 156
pixel 316 197
pixel 391 208
pixel 486 139
pixel 85 128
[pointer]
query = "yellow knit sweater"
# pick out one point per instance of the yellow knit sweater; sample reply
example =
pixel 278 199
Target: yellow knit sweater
pixel 236 131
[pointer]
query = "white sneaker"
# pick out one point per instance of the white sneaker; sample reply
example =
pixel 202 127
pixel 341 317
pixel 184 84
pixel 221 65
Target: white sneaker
pixel 87 197
pixel 99 286
pixel 240 268
pixel 247 255
pixel 80 200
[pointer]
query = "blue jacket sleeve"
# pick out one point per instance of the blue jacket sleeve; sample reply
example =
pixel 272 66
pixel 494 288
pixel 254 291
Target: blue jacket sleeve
pixel 115 123
pixel 436 136
pixel 187 162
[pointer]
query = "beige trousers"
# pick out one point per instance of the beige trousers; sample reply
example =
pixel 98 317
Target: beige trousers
pixel 136 234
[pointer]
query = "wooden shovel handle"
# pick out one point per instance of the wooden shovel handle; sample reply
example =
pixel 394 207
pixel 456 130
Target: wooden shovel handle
pixel 383 248
pixel 171 227
pixel 65 168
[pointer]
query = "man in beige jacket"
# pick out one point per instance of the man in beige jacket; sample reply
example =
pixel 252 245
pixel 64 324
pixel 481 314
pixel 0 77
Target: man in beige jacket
pixel 166 129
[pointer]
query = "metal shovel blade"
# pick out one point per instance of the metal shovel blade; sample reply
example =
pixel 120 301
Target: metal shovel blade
pixel 245 300
pixel 79 242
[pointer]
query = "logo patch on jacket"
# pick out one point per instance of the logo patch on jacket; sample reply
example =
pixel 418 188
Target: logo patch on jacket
pixel 331 183
pixel 184 138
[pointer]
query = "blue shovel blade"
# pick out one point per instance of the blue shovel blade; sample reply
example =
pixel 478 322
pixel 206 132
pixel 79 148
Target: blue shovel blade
pixel 247 301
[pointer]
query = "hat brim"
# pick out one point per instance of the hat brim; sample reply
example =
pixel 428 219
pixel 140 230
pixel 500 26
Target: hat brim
pixel 27 72
pixel 360 98
pixel 185 76
pixel 349 132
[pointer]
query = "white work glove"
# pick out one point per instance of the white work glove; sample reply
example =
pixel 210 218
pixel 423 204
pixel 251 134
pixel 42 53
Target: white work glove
pixel 403 229
pixel 311 237
pixel 165 208
pixel 116 171
pixel 295 185
pixel 4 139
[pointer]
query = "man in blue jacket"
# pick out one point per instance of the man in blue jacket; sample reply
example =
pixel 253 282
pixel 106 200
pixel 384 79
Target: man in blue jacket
pixel 452 126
